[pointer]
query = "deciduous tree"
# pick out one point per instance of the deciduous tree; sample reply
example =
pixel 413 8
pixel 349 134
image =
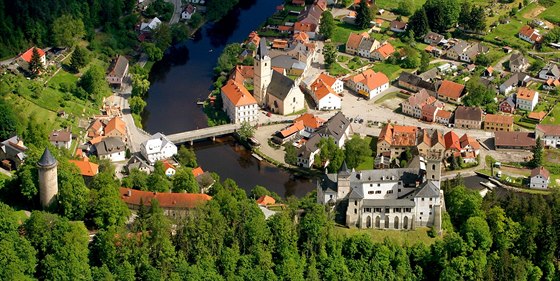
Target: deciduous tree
pixel 186 157
pixel 327 24
pixel 67 30
pixel 184 181
pixel 80 58
pixel 357 151
pixel 364 15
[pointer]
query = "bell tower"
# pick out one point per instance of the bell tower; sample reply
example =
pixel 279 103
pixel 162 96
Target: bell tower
pixel 263 73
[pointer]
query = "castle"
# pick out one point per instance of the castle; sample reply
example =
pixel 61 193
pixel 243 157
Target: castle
pixel 48 178
pixel 403 198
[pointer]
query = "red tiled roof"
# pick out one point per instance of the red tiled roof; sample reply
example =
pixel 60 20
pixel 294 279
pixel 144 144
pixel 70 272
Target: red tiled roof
pixel 500 119
pixel 294 128
pixel 238 94
pixel 526 31
pixel 266 200
pixel 29 53
pixel 116 124
pixel 285 28
pixel 165 199
pixel 301 36
pixel 443 114
pixel 549 130
pixel 321 89
pixel 399 135
pixel 86 168
pixel 451 89
pixel 525 94
pixel 197 171
pixel 540 171
pixel 371 79
pixel 452 141
pixel 305 27
pixel 537 115
pixel 386 50
pixel 354 40
pixel 311 121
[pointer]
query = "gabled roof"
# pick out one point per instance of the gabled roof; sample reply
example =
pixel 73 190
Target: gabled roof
pixel 549 130
pixel 509 101
pixel 452 141
pixel 371 79
pixel 428 189
pixel 537 115
pixel 354 40
pixel 540 171
pixel 525 94
pixel 469 141
pixel 280 86
pixel 118 68
pixel 500 119
pixel 514 139
pixel 451 89
pixel 197 171
pixel 116 124
pixel 399 135
pixel 398 24
pixel 86 168
pixel 386 50
pixel 60 135
pixel 266 200
pixel 335 127
pixel 165 199
pixel 29 53
pixel 444 114
pixel 109 146
pixel 468 113
pixel 294 128
pixel 301 36
pixel 434 37
pixel 237 94
pixel 321 89
pixel 517 59
pixel 311 121
pixel 551 70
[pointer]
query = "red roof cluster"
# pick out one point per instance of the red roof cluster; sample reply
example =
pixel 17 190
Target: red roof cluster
pixel 165 199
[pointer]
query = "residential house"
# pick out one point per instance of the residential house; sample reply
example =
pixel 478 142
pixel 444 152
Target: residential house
pixel 369 83
pixel 433 38
pixel 540 178
pixel 95 129
pixel 429 112
pixel 450 91
pixel 289 133
pixel 361 45
pixel 309 28
pixel 116 127
pixel 468 117
pixel 61 138
pixel 517 79
pixel 452 144
pixel 243 74
pixel 443 117
pixel 306 153
pixel 470 149
pixel 550 71
pixel 398 26
pixel 12 153
pixel 495 122
pixel 253 39
pixel 551 84
pixel 292 66
pixel 188 11
pixel 111 148
pixel 514 140
pixel 518 63
pixel 384 52
pixel 488 72
pixel 158 147
pixel 393 140
pixel 431 144
pixel 414 104
pixel 239 105
pixel 25 58
pixel 537 115
pixel 507 105
pixel 391 199
pixel 168 168
pixel 529 34
pixel 324 96
pixel 336 84
pixel 175 205
pixel 266 200
pixel 415 83
pixel 87 169
pixel 527 99
pixel 463 51
pixel 310 122
pixel 135 162
pixel 549 134
pixel 150 26
pixel 117 71
pixel 284 96
pixel 353 42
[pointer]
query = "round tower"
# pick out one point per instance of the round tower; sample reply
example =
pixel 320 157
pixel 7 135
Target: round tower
pixel 48 179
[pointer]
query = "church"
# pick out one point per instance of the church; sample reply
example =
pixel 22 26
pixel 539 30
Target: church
pixel 402 198
pixel 272 89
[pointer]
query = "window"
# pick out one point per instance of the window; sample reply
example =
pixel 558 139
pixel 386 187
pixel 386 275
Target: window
pixel 378 192
pixel 370 192
pixel 399 190
pixel 377 210
pixel 378 184
pixel 430 206
pixel 408 210
pixel 371 184
pixel 396 210
pixel 422 198
pixel 421 213
pixel 331 196
pixel 387 210
pixel 431 199
pixel 367 210
pixel 355 211
pixel 355 202
pixel 389 191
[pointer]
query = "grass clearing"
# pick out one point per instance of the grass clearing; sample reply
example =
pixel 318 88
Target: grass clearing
pixel 343 30
pixel 391 70
pixel 336 70
pixel 552 13
pixel 389 96
pixel 402 237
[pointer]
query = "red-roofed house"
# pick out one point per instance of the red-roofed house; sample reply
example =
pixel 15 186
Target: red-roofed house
pixel 266 200
pixel 549 134
pixel 443 116
pixel 450 91
pixel 197 171
pixel 369 83
pixel 253 39
pixel 383 52
pixel 87 169
pixel 25 58
pixel 239 104
pixel 173 204
pixel 540 178
pixel 529 34
pixel 309 28
pixel 527 99
pixel 168 168
pixel 116 128
pixel 311 122
pixel 324 96
pixel 395 139
pixel 452 143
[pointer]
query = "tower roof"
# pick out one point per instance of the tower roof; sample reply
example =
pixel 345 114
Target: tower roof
pixel 344 171
pixel 47 159
pixel 263 51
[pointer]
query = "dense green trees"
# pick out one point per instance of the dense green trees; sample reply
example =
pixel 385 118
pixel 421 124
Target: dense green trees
pixel 80 58
pixel 480 95
pixel 216 9
pixel 94 84
pixel 443 14
pixel 327 25
pixel 364 15
pixel 186 157
pixel 356 151
pixel 8 121
pixel 419 23
pixel 67 30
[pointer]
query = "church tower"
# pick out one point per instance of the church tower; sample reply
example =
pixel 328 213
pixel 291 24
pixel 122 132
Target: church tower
pixel 433 169
pixel 48 179
pixel 263 73
pixel 343 179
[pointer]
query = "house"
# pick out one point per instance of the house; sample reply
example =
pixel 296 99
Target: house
pixel 158 147
pixel 488 72
pixel 135 162
pixel 117 71
pixel 12 153
pixel 116 127
pixel 284 97
pixel 384 52
pixel 324 96
pixel 429 112
pixel 253 39
pixel 470 149
pixel 361 45
pixel 168 168
pixel 550 71
pixel 266 200
pixel 369 83
pixel 239 105
pixel 415 83
pixel 540 178
pixel 529 34
pixel 514 140
pixel 87 169
pixel 551 84
pixel 61 138
pixel 310 123
pixel 289 133
pixel 306 153
pixel 95 129
pixel 537 116
pixel 517 79
pixel 336 84
pixel 431 144
pixel 392 199
pixel 518 63
pixel 111 148
pixel 301 37
pixel 25 58
pixel 176 205
pixel 414 104
pixel 187 12
pixel 433 38
pixel 468 117
pixel 398 26
pixel 396 139
pixel 494 122
pixel 549 134
pixel 309 28
pixel 507 105
pixel 243 74
pixel 452 144
pixel 450 91
pixel 527 99
pixel 463 51
pixel 150 26
pixel 443 117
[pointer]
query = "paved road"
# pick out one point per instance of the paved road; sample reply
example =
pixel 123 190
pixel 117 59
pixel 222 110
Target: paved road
pixel 176 12
pixel 135 136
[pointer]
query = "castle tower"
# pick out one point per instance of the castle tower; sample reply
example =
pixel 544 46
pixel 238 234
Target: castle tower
pixel 343 179
pixel 433 169
pixel 263 73
pixel 48 179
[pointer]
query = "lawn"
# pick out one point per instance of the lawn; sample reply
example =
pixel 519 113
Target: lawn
pixel 336 70
pixel 368 164
pixel 552 13
pixel 357 62
pixel 390 96
pixel 409 237
pixel 392 71
pixel 392 4
pixel 343 30
pixel 507 33
pixel 553 117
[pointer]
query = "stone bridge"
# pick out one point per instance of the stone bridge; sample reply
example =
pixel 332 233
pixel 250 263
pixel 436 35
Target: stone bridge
pixel 210 132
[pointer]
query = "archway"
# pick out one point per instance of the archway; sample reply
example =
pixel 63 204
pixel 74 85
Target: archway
pixel 386 221
pixel 377 222
pixel 405 223
pixel 368 222
pixel 396 222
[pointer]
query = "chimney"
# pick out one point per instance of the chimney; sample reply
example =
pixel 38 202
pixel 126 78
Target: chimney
pixel 129 193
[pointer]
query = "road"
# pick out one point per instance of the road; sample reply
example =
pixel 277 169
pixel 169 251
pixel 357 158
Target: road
pixel 176 12
pixel 498 66
pixel 135 136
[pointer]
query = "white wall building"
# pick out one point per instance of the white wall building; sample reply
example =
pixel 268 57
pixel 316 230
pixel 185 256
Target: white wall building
pixel 549 134
pixel 238 103
pixel 540 178
pixel 158 147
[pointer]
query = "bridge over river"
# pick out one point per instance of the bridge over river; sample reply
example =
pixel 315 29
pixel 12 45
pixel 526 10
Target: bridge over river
pixel 204 133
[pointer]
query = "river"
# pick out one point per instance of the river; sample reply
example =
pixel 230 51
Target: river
pixel 185 76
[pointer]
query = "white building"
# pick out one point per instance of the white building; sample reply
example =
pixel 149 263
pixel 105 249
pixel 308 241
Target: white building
pixel 369 83
pixel 239 105
pixel 529 34
pixel 61 139
pixel 527 99
pixel 550 71
pixel 158 147
pixel 325 97
pixel 540 178
pixel 187 13
pixel 111 148
pixel 549 134
pixel 151 25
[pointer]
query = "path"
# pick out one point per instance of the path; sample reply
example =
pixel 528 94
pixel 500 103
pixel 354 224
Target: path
pixel 499 65
pixel 176 11
pixel 136 136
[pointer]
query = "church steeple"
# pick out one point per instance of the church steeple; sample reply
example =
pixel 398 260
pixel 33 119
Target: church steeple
pixel 263 73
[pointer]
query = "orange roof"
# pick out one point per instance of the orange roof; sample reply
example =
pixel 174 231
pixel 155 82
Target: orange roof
pixel 278 69
pixel 320 89
pixel 167 165
pixel 537 115
pixel 301 36
pixel 451 89
pixel 96 139
pixel 237 94
pixel 305 27
pixel 311 121
pixel 165 199
pixel 468 141
pixel 500 119
pixel 525 94
pixel 279 44
pixel 284 28
pixel 242 73
pixel 29 53
pixel 86 168
pixel 116 124
pixel 386 50
pixel 379 21
pixel 452 141
pixel 526 31
pixel 552 82
pixel 294 128
pixel 197 171
pixel 327 79
pixel 266 200
pixel 399 135
pixel 354 40
pixel 443 114
pixel 79 153
pixel 371 79
pixel 490 69
pixel 254 38
pixel 428 48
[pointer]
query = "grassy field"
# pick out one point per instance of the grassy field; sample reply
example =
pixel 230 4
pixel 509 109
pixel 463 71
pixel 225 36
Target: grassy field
pixel 409 237
pixel 392 4
pixel 392 71
pixel 553 117
pixel 335 70
pixel 343 30
pixel 552 13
